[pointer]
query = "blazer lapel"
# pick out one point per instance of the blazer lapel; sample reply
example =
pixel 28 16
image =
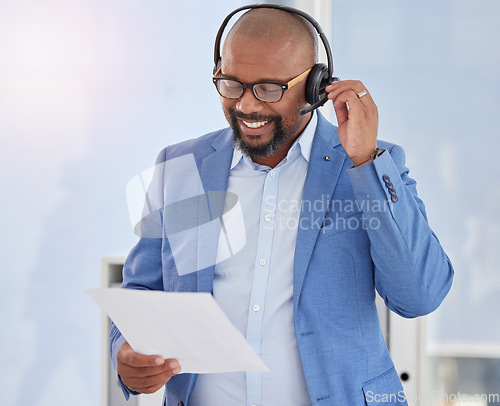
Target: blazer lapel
pixel 325 166
pixel 214 172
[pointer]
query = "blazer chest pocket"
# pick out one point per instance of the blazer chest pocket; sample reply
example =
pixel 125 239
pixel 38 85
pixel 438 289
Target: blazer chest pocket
pixel 346 232
pixel 336 223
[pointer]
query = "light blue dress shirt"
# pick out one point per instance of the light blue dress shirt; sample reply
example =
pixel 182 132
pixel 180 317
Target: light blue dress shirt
pixel 254 287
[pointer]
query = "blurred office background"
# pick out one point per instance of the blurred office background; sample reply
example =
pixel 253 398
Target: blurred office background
pixel 90 91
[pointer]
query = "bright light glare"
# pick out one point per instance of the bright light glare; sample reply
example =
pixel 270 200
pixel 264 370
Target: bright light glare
pixel 47 61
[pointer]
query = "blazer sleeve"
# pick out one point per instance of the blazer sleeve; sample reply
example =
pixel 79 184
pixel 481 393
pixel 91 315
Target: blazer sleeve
pixel 143 267
pixel 411 270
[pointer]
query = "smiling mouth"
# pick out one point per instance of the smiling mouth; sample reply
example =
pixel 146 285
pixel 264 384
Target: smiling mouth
pixel 254 124
pixel 254 129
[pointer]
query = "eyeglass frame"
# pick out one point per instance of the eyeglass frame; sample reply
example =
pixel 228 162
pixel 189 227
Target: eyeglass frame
pixel 284 86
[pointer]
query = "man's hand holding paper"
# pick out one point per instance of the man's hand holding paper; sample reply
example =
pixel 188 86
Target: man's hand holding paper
pixel 170 333
pixel 144 373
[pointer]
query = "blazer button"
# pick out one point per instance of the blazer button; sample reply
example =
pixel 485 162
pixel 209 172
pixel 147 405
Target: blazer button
pixel 180 404
pixel 392 191
pixel 394 198
pixel 386 178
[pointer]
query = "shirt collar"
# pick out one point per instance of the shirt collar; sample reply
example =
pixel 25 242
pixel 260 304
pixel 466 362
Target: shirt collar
pixel 304 142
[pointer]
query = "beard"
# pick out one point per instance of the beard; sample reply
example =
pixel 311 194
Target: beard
pixel 281 134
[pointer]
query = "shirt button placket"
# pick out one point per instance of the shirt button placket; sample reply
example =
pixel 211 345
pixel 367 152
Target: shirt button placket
pixel 261 274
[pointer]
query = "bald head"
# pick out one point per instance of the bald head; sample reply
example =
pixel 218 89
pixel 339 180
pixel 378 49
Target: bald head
pixel 268 25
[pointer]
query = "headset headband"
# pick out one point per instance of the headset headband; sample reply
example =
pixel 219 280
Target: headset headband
pixel 319 30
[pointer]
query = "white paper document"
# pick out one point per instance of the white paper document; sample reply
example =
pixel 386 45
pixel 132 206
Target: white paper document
pixel 190 327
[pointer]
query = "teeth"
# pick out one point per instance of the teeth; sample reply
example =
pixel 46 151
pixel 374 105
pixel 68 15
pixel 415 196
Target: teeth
pixel 255 124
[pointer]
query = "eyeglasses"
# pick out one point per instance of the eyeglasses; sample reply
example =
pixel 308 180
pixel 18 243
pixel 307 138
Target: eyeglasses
pixel 267 92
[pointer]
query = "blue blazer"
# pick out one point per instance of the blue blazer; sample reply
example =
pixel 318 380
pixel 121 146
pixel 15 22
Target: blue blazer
pixel 371 234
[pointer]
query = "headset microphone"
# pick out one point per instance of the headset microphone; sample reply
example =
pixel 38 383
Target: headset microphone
pixel 303 111
pixel 320 76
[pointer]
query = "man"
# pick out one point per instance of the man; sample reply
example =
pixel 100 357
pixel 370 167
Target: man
pixel 302 289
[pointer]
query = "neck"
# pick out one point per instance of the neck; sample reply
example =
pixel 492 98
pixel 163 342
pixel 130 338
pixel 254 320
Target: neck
pixel 274 159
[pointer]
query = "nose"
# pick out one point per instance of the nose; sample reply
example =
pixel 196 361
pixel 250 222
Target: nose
pixel 248 104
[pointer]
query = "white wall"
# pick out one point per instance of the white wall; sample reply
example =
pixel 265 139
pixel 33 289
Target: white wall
pixel 433 69
pixel 90 91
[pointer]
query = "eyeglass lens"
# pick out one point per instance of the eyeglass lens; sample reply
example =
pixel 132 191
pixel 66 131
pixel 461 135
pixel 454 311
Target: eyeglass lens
pixel 266 92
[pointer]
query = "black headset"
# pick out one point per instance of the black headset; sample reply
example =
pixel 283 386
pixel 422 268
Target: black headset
pixel 319 77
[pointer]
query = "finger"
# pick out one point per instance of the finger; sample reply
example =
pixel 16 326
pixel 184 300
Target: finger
pixel 148 384
pixel 146 381
pixel 350 84
pixel 152 389
pixel 128 356
pixel 344 98
pixel 341 111
pixel 170 366
pixel 366 99
pixel 337 88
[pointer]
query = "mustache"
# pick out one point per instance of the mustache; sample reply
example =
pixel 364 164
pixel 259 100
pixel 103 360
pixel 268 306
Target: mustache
pixel 252 117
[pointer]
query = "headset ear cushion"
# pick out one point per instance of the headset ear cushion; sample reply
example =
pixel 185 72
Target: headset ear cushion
pixel 316 82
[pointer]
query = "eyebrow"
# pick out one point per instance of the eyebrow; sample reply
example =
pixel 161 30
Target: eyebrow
pixel 259 81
